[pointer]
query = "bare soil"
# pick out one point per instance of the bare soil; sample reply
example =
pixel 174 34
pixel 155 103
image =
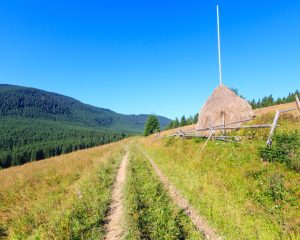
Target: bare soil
pixel 115 225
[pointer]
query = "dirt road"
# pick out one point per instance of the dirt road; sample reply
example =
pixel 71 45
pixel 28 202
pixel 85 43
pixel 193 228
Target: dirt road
pixel 114 227
pixel 181 202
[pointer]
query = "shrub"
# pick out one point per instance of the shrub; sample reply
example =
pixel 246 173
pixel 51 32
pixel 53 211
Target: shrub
pixel 284 150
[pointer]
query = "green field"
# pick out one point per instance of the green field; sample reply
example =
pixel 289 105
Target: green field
pixel 240 195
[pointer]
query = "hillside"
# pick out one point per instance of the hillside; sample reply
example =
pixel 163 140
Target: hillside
pixel 240 195
pixel 26 102
pixel 235 188
pixel 36 124
pixel 69 197
pixel 25 140
pixel 259 112
pixel 167 184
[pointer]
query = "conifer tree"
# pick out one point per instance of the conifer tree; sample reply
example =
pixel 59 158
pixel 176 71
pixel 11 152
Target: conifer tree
pixel 183 121
pixel 176 123
pixel 152 125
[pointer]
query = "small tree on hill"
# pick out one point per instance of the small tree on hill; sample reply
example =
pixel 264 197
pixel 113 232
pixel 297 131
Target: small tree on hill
pixel 176 123
pixel 195 120
pixel 183 121
pixel 152 125
pixel 189 120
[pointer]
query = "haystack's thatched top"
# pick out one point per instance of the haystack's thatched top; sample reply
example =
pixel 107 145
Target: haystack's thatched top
pixel 223 105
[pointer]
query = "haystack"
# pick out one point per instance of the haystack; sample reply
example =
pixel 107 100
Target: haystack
pixel 224 107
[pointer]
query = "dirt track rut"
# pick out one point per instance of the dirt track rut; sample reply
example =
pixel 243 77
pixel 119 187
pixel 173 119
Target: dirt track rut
pixel 198 221
pixel 114 227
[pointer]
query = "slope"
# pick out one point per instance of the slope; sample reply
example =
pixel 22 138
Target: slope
pixel 65 197
pixel 232 186
pixel 36 124
pixel 24 140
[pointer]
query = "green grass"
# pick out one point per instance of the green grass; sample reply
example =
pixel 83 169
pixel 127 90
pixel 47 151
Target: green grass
pixel 240 195
pixel 150 212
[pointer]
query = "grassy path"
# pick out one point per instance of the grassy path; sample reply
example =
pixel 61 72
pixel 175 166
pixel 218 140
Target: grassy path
pixel 150 213
pixel 182 203
pixel 114 227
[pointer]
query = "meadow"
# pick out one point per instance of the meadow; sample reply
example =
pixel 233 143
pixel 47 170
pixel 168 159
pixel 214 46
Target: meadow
pixel 65 197
pixel 240 195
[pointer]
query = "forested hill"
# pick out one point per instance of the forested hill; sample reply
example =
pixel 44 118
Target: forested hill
pixel 36 124
pixel 39 104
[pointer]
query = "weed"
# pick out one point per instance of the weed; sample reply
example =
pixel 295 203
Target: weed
pixel 277 190
pixel 284 150
pixel 169 142
pixel 3 231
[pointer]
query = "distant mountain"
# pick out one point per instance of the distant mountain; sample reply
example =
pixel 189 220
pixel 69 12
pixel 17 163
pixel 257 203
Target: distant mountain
pixel 39 104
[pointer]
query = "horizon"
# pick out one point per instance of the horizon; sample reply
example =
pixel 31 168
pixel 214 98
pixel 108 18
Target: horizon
pixel 139 58
pixel 145 113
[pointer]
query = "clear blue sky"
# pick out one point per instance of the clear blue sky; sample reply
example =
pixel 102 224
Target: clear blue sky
pixel 150 56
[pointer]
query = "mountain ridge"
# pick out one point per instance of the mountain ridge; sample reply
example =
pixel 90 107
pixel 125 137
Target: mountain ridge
pixel 36 103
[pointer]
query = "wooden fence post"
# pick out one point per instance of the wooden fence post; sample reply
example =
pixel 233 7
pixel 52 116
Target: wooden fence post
pixel 298 102
pixel 269 142
pixel 209 137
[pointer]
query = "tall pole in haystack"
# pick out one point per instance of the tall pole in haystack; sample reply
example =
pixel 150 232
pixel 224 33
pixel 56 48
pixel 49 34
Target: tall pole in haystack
pixel 219 45
pixel 219 58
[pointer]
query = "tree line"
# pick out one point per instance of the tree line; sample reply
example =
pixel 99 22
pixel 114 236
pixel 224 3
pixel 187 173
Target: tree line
pixel 24 140
pixel 271 101
pixel 184 121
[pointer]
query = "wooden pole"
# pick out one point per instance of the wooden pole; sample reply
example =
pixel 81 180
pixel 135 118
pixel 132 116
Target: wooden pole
pixel 210 136
pixel 219 46
pixel 298 103
pixel 227 124
pixel 269 142
pixel 242 127
pixel 223 114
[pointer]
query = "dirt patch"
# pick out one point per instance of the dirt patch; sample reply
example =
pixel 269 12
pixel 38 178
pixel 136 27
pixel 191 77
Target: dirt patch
pixel 115 226
pixel 176 196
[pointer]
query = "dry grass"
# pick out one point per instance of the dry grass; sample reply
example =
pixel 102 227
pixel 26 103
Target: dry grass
pixel 32 193
pixel 223 105
pixel 64 165
pixel 271 109
pixel 174 130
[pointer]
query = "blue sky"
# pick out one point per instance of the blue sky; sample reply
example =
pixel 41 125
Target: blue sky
pixel 150 56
